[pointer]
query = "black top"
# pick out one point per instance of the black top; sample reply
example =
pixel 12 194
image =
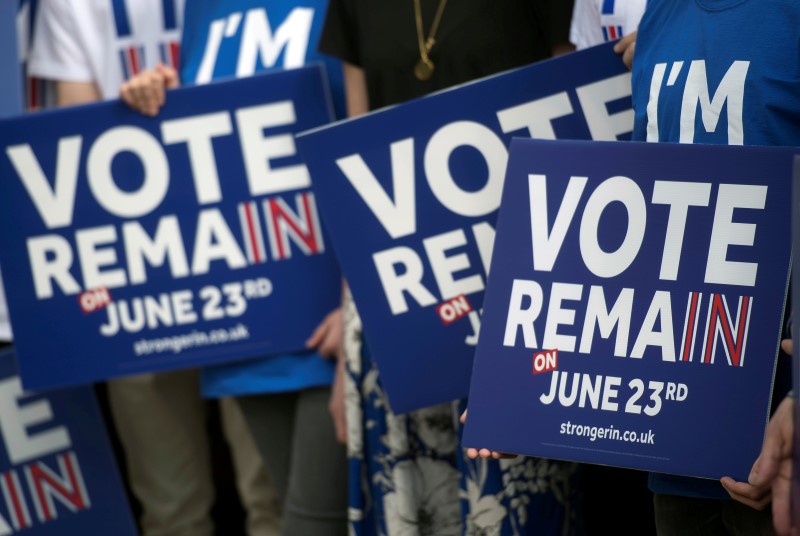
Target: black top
pixel 476 38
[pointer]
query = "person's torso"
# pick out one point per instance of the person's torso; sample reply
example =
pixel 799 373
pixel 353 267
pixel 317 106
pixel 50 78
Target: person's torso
pixel 600 21
pixel 121 38
pixel 474 39
pixel 619 17
pixel 227 38
pixel 238 38
pixel 718 71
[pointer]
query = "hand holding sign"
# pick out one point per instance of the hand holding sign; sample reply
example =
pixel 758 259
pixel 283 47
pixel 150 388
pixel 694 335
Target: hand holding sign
pixel 146 92
pixel 327 338
pixel 772 471
pixel 627 47
pixel 473 453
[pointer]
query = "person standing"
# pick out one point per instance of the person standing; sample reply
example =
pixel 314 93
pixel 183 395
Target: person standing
pixel 284 398
pixel 408 474
pixel 696 80
pixel 89 48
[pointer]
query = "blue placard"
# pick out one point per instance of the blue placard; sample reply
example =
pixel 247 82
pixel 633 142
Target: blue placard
pixel 133 244
pixel 410 197
pixel 57 475
pixel 635 305
pixel 11 81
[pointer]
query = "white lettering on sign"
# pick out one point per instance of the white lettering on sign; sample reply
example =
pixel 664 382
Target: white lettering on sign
pixel 390 193
pixel 396 211
pixel 546 361
pixel 101 180
pixel 401 269
pixel 594 99
pixel 397 216
pixel 726 232
pixel 16 419
pixel 725 331
pixel 598 314
pixel 258 150
pixel 679 196
pixel 55 204
pixel 98 253
pixel 559 315
pixel 610 264
pixel 197 133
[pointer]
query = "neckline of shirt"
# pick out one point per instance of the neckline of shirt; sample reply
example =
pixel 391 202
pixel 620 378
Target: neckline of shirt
pixel 719 5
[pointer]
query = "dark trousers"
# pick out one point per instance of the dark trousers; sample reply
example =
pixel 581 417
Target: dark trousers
pixel 687 516
pixel 294 434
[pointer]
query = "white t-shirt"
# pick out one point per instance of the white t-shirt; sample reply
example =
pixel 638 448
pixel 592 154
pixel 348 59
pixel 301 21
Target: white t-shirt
pixel 599 21
pixel 104 41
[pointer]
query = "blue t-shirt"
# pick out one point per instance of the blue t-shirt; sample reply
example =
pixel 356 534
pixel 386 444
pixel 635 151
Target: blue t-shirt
pixel 225 38
pixel 718 72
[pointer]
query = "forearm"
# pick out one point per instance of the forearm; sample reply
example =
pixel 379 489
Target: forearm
pixel 72 93
pixel 355 85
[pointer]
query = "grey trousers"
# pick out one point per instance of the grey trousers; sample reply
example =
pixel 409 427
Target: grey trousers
pixel 294 434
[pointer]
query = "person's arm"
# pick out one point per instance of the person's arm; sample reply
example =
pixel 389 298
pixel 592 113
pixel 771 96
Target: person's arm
pixel 330 334
pixel 558 16
pixel 59 55
pixel 73 93
pixel 773 464
pixel 770 478
pixel 355 87
pixel 328 341
pixel 779 454
pixel 327 337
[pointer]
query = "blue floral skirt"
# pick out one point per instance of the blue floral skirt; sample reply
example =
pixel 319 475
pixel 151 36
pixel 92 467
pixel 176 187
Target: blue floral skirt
pixel 409 476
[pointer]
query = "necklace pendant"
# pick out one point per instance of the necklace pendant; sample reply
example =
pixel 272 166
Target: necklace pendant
pixel 423 70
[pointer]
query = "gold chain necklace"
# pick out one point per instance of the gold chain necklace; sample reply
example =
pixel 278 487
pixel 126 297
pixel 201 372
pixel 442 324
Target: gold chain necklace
pixel 423 70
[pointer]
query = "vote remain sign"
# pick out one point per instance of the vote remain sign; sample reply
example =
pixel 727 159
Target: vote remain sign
pixel 132 244
pixel 57 475
pixel 410 197
pixel 635 305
